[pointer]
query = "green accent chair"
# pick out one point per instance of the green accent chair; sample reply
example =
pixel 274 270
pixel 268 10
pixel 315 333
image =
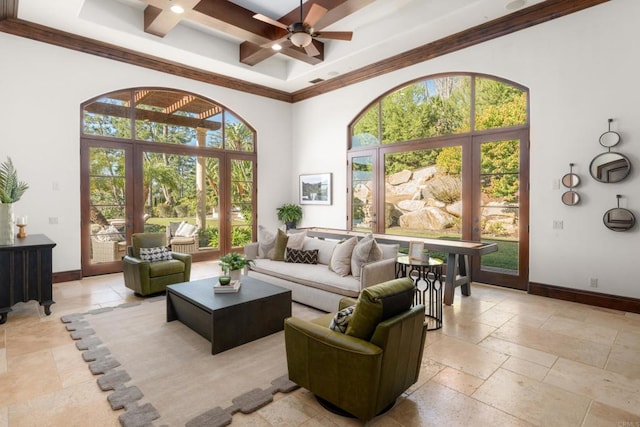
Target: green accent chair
pixel 146 278
pixel 364 370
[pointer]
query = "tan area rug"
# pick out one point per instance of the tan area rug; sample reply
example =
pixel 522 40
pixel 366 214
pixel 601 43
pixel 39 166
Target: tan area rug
pixel 163 374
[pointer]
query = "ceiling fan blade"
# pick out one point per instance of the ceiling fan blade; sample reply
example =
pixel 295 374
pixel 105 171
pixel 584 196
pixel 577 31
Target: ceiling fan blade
pixel 335 35
pixel 311 50
pixel 266 19
pixel 315 14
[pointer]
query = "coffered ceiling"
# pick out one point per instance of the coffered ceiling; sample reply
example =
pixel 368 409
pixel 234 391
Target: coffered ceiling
pixel 222 37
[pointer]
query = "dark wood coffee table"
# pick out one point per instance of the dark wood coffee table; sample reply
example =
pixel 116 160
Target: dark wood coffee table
pixel 232 319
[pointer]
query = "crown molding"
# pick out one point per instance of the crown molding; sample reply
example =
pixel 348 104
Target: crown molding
pixel 525 18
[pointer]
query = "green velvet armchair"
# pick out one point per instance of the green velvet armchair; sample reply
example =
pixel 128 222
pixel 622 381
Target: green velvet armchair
pixel 145 277
pixel 364 370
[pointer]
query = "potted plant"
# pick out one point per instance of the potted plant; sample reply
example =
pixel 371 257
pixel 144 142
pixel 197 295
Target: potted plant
pixel 290 214
pixel 11 190
pixel 232 263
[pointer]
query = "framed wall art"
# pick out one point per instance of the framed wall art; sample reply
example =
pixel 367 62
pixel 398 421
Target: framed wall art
pixel 315 189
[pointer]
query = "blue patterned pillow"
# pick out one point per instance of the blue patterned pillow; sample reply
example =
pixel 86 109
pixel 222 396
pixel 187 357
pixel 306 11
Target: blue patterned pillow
pixel 340 321
pixel 155 254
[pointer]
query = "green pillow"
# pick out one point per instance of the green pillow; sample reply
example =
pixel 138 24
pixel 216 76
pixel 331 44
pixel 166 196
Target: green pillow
pixel 280 246
pixel 380 302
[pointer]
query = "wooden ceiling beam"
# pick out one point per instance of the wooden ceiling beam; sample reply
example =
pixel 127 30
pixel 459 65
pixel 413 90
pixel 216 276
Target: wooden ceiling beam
pixel 8 9
pixel 252 54
pixel 159 19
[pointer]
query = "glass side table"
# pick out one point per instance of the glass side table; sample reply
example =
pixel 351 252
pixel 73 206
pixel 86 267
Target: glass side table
pixel 427 277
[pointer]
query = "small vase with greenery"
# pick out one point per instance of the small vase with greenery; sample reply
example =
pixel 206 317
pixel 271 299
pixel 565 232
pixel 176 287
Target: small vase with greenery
pixel 290 214
pixel 232 263
pixel 11 190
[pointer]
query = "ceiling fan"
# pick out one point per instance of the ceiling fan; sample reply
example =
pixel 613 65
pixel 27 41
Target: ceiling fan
pixel 302 33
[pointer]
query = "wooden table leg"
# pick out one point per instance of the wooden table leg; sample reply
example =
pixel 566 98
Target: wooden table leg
pixel 457 275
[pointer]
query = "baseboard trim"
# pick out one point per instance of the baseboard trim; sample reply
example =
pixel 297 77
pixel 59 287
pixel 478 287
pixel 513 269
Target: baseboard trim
pixel 586 297
pixel 67 276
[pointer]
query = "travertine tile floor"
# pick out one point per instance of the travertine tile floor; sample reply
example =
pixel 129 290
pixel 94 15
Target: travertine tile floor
pixel 502 358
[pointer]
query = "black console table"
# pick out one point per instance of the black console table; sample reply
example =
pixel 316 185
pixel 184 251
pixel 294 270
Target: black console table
pixel 26 273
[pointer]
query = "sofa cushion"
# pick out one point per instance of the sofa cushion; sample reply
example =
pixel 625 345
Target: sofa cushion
pixel 341 257
pixel 341 319
pixel 366 251
pixel 301 257
pixel 380 302
pixel 313 275
pixel 155 254
pixel 166 268
pixel 280 246
pixel 325 248
pixel 266 242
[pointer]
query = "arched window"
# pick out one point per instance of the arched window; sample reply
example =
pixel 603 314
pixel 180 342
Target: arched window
pixel 446 157
pixel 153 158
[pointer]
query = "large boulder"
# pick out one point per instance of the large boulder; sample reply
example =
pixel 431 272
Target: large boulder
pixel 410 205
pixel 425 174
pixel 399 177
pixel 427 218
pixel 455 208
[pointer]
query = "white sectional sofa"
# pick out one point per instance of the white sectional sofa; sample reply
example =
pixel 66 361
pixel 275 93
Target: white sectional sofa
pixel 317 285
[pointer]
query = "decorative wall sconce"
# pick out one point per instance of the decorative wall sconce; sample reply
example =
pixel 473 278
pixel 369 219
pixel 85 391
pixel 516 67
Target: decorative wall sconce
pixel 619 219
pixel 610 167
pixel 570 180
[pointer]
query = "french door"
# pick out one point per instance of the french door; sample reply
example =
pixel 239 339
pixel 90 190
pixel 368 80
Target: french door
pixel 500 207
pixel 106 205
pixel 149 188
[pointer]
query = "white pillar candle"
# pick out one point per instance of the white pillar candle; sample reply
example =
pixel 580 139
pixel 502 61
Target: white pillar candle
pixel 21 220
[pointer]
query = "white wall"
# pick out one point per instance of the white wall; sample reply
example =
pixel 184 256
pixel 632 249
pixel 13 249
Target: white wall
pixel 41 89
pixel 581 70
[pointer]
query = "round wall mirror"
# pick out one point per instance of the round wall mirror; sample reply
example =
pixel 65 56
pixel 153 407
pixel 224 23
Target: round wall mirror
pixel 610 167
pixel 570 180
pixel 570 198
pixel 619 219
pixel 609 139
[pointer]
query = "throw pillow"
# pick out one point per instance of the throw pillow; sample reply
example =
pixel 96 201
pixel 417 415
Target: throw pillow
pixel 301 257
pixel 378 303
pixel 296 240
pixel 341 257
pixel 186 230
pixel 365 252
pixel 280 246
pixel 179 228
pixel 155 254
pixel 266 242
pixel 325 248
pixel 340 321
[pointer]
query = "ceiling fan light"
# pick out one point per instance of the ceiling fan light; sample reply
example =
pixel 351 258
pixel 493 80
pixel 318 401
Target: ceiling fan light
pixel 300 39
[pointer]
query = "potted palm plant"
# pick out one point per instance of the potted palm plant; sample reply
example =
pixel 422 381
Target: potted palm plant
pixel 290 214
pixel 11 190
pixel 232 263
